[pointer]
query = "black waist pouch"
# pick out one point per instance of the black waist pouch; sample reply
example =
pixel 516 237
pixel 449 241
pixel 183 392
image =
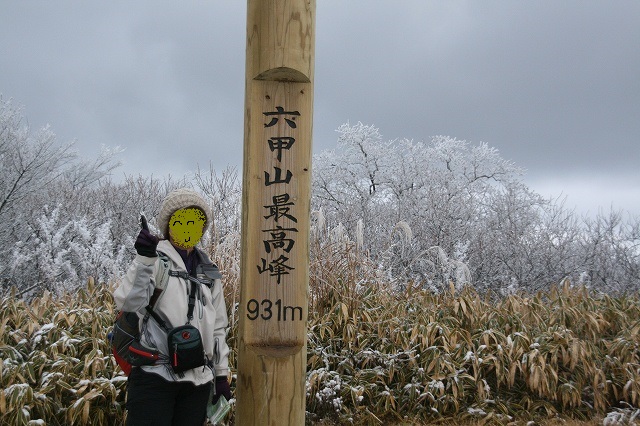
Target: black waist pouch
pixel 185 348
pixel 125 331
pixel 125 341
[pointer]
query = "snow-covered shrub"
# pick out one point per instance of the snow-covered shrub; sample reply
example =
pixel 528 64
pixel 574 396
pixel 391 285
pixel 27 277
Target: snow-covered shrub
pixel 622 417
pixel 324 388
pixel 62 253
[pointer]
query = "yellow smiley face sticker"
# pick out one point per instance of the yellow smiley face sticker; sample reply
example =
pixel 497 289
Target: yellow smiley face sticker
pixel 186 227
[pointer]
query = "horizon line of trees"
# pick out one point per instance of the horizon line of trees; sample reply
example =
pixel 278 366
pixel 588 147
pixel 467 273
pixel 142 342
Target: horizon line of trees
pixel 420 214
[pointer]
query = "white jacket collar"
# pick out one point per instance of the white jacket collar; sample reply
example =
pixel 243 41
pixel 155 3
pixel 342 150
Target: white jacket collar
pixel 167 248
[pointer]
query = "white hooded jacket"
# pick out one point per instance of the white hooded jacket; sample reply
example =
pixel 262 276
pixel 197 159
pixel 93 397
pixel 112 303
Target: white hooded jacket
pixel 209 314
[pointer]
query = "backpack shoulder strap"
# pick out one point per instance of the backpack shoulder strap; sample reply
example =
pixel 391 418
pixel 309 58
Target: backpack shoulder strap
pixel 192 301
pixel 162 278
pixel 162 273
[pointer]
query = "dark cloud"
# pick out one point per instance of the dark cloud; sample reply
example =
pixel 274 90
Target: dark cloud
pixel 553 85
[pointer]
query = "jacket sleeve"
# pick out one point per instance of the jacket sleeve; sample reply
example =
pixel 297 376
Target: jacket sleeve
pixel 135 290
pixel 221 348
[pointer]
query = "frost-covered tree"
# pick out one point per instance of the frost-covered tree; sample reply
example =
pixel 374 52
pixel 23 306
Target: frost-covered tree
pixel 63 219
pixel 410 213
pixel 448 211
pixel 224 193
pixel 29 162
pixel 611 253
pixel 37 171
pixel 435 189
pixel 34 163
pixel 349 183
pixel 525 241
pixel 121 202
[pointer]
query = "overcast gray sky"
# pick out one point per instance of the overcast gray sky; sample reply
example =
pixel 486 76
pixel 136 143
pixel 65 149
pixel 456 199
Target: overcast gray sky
pixel 554 85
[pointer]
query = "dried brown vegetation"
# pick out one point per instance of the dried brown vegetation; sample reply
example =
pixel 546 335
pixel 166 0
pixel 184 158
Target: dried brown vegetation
pixel 374 357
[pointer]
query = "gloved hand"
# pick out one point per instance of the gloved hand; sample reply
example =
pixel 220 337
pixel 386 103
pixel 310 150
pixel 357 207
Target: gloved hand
pixel 146 243
pixel 222 388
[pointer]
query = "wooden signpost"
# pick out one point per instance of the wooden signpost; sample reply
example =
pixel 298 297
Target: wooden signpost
pixel 275 212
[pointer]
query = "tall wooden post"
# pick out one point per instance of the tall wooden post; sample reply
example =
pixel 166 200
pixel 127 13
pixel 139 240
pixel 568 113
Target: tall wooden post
pixel 275 212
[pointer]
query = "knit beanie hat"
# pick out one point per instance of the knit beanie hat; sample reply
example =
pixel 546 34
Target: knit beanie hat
pixel 181 199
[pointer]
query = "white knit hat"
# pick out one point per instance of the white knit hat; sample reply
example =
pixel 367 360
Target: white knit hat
pixel 181 199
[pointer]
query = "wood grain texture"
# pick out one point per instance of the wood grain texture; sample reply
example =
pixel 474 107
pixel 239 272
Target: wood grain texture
pixel 274 279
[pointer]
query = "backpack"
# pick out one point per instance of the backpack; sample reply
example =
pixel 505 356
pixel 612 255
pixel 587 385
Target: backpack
pixel 125 335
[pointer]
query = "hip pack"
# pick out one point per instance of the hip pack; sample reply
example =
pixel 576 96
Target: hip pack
pixel 185 342
pixel 185 348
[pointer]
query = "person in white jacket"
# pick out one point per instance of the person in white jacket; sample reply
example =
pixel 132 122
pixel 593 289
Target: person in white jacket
pixel 157 394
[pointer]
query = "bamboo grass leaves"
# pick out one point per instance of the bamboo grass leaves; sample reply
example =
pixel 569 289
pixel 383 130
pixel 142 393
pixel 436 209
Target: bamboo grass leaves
pixel 374 356
pixel 55 362
pixel 425 357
